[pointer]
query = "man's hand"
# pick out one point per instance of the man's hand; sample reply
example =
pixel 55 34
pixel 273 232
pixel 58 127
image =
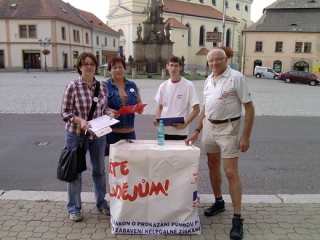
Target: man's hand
pixel 192 138
pixel 244 144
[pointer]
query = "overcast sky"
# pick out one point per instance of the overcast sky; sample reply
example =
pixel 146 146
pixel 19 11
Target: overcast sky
pixel 100 7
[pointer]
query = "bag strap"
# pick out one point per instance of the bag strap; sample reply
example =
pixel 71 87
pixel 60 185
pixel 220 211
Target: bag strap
pixel 94 103
pixel 93 106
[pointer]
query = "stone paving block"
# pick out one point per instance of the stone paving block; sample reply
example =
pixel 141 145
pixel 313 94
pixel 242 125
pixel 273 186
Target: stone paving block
pixel 74 236
pixel 294 236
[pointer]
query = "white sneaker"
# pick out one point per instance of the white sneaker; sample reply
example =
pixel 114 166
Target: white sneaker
pixel 76 217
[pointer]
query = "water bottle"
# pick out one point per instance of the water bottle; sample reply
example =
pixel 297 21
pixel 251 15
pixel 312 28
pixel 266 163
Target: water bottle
pixel 161 133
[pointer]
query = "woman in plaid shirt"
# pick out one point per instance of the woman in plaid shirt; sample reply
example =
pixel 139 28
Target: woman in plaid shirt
pixel 76 104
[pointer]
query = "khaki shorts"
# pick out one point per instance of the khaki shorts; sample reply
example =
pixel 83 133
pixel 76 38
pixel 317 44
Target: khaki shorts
pixel 221 138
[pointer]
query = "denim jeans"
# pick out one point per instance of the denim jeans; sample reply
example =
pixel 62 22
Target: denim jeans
pixel 96 149
pixel 116 137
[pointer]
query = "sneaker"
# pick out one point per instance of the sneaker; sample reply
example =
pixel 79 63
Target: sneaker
pixel 105 210
pixel 76 217
pixel 214 209
pixel 237 228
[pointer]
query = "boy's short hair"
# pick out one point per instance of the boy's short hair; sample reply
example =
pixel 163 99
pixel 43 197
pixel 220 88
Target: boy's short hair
pixel 174 59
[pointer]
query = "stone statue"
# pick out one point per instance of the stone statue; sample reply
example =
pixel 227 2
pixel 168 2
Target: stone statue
pixel 139 30
pixel 160 10
pixel 168 32
pixel 147 11
pixel 152 34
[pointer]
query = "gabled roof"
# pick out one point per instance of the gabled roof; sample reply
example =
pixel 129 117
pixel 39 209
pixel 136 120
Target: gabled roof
pixel 96 23
pixel 295 4
pixel 192 9
pixel 174 23
pixel 40 9
pixel 286 16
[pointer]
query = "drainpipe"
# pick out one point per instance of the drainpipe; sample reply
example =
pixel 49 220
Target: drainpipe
pixel 223 21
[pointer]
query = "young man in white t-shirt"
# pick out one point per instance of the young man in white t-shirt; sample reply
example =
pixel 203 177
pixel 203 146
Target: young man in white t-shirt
pixel 176 97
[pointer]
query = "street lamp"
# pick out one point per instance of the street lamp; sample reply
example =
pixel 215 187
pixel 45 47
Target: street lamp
pixel 45 43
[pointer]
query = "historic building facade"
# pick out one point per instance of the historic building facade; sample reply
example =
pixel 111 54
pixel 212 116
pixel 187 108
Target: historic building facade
pixel 64 30
pixel 286 37
pixel 188 21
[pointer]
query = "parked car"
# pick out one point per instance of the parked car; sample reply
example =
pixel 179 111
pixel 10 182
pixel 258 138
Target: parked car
pixel 104 65
pixel 265 72
pixel 299 76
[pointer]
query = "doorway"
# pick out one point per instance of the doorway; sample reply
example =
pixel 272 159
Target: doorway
pixel 31 59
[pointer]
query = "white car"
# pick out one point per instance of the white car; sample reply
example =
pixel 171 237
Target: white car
pixel 104 65
pixel 265 72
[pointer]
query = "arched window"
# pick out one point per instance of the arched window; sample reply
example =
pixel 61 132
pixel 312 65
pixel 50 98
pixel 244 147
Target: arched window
pixel 256 63
pixel 227 4
pixel 238 6
pixel 277 66
pixel 215 30
pixel 201 36
pixel 228 38
pixel 189 34
pixel 214 2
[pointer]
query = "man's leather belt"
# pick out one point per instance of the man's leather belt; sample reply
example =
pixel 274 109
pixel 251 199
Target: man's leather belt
pixel 224 121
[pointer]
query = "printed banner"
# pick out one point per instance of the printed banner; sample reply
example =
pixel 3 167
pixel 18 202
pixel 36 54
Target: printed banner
pixel 153 189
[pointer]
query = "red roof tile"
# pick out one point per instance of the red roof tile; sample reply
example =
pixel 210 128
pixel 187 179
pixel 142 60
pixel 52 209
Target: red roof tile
pixel 96 23
pixel 174 23
pixel 192 9
pixel 202 51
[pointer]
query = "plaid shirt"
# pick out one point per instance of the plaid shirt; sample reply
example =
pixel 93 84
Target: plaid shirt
pixel 77 101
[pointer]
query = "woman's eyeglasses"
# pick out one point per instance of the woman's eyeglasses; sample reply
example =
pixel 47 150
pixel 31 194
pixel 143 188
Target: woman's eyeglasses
pixel 89 65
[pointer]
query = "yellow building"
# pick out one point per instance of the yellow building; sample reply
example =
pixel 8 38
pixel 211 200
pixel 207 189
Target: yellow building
pixel 286 37
pixel 189 22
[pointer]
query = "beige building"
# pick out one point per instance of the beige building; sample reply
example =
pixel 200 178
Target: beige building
pixel 286 37
pixel 189 21
pixel 65 33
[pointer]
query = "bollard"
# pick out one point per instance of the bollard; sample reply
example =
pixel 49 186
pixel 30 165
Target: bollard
pixel 163 74
pixel 134 73
pixel 106 72
pixel 193 74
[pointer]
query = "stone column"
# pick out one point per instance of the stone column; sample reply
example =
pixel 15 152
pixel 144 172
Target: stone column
pixel 193 74
pixel 134 73
pixel 163 74
pixel 106 72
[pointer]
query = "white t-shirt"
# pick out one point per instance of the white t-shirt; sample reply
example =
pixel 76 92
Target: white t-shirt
pixel 224 100
pixel 177 100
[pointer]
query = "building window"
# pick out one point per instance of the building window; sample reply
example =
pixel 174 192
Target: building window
pixel 307 47
pixel 228 38
pixel 28 31
pixel 97 40
pixel 201 36
pixel 63 33
pixel 227 4
pixel 106 41
pixel 201 1
pixel 87 38
pixel 279 46
pixel 76 35
pixel 189 34
pixel 114 43
pixel 246 8
pixel 298 47
pixel 258 46
pixel 277 66
pixel 238 6
pixel 214 44
pixel 32 31
pixel 214 2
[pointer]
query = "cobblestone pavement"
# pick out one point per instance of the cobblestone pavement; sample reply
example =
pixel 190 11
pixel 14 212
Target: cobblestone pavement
pixel 296 217
pixel 42 93
pixel 45 219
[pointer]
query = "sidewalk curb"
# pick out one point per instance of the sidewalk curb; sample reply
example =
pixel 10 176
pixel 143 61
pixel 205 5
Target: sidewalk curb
pixel 204 198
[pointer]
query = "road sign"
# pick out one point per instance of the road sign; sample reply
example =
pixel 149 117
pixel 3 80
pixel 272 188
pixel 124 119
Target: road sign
pixel 213 34
pixel 213 40
pixel 213 37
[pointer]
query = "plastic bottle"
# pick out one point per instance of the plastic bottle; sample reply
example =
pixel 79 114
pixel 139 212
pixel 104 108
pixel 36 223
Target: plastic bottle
pixel 161 133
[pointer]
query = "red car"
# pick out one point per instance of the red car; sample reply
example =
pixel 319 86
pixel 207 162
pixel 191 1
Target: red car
pixel 299 76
